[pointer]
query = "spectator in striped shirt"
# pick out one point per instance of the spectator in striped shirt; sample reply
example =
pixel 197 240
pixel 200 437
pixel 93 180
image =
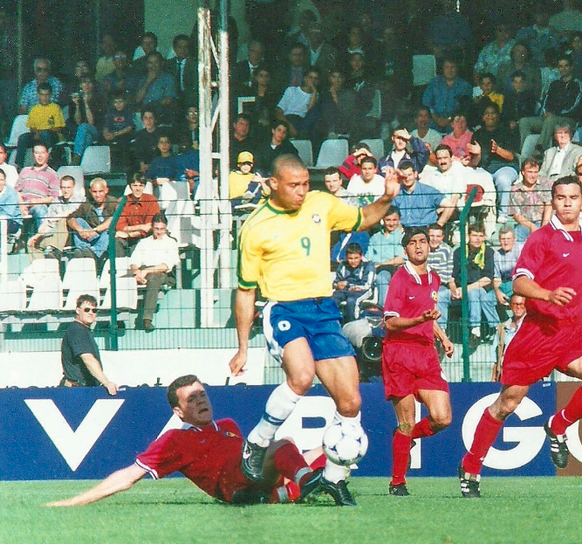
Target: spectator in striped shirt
pixel 440 259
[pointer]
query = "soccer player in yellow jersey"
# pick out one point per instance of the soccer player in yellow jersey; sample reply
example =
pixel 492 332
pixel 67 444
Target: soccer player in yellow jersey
pixel 284 250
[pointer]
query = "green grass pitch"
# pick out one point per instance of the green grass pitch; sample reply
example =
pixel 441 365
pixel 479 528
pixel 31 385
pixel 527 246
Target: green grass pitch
pixel 512 510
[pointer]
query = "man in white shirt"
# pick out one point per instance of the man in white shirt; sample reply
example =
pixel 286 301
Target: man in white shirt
pixel 369 186
pixel 152 262
pixel 449 178
pixel 9 170
pixel 560 161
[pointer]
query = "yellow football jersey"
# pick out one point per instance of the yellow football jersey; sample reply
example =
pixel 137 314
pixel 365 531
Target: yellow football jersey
pixel 287 253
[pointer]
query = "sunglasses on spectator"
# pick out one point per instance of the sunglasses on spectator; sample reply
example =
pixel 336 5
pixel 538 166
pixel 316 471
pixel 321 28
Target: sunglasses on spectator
pixel 92 310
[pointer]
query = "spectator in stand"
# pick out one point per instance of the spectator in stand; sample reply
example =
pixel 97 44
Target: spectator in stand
pixel 86 112
pixel 505 260
pixel 368 185
pixel 146 141
pixel 135 222
pixel 268 151
pixel 560 160
pixel 458 139
pixel 322 55
pixel 440 259
pixel 243 72
pixel 9 170
pixel 90 222
pixel 184 68
pixel 480 267
pixel 353 42
pixel 244 186
pixel 495 53
pixel 45 122
pixel 291 74
pixel 420 205
pixel 121 79
pixel 262 110
pixel 446 94
pixel 240 139
pixel 539 37
pixel 487 85
pixel 520 62
pixel 338 107
pixel 297 106
pixel 37 185
pixel 333 183
pixel 188 132
pixel 9 206
pixel 29 95
pixel 53 234
pixel 165 164
pixel 106 62
pixel 351 165
pixel 568 20
pixel 152 264
pixel 449 32
pixel 359 79
pixel 118 127
pixel 494 148
pixel 562 105
pixel 418 155
pixel 530 201
pixel 386 252
pixel 149 44
pixel 431 137
pixel 505 332
pixel 82 70
pixel 395 62
pixel 157 90
pixel 519 101
pixel 354 282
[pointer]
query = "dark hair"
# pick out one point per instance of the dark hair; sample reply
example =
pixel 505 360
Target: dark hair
pixel 137 176
pixel 488 75
pixel 444 147
pixel 244 116
pixel 361 145
pixel 422 108
pixel 410 232
pixel 44 87
pixel 568 58
pixel 519 73
pixel 160 218
pixel 522 44
pixel 369 159
pixel 180 38
pixel 278 122
pixel 150 35
pixel 406 164
pixel 89 299
pixel 393 210
pixel 529 162
pixel 489 104
pixel 354 248
pixel 476 227
pixel 566 180
pixel 330 171
pixel 39 143
pixel 115 95
pixel 436 226
pixel 178 383
pixel 155 54
pixel 148 109
pixel 2 173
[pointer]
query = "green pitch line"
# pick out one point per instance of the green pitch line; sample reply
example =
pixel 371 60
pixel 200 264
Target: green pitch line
pixel 512 510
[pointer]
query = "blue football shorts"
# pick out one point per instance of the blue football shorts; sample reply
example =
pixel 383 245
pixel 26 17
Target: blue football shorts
pixel 318 320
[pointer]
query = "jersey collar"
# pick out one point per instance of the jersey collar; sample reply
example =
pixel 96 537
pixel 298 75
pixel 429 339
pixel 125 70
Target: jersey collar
pixel 188 426
pixel 557 225
pixel 412 272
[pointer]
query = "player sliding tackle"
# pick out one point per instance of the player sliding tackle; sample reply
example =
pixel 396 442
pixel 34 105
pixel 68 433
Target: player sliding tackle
pixel 410 363
pixel 284 250
pixel 208 453
pixel 549 275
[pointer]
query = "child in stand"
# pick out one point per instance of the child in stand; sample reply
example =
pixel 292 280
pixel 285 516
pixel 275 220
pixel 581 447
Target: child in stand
pixel 118 126
pixel 246 188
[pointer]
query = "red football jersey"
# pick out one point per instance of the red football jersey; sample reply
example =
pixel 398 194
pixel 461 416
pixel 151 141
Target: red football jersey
pixel 409 295
pixel 551 257
pixel 208 456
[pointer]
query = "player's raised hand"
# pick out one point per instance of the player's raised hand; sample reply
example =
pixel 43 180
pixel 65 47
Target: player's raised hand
pixel 562 296
pixel 391 183
pixel 237 364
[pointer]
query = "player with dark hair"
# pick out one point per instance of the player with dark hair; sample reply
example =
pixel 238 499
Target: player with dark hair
pixel 208 453
pixel 548 274
pixel 284 250
pixel 410 362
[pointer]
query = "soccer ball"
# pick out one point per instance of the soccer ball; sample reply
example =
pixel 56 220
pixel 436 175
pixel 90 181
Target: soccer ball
pixel 344 444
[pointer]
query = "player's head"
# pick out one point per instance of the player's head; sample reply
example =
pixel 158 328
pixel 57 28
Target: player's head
pixel 415 244
pixel 567 198
pixel 289 182
pixel 354 254
pixel 189 400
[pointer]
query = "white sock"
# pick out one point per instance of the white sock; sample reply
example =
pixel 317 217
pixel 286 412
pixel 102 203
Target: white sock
pixel 279 406
pixel 334 473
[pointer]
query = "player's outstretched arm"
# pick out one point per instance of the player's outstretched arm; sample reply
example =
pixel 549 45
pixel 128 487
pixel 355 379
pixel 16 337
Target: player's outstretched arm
pixel 394 323
pixel 372 213
pixel 244 313
pixel 526 287
pixel 120 480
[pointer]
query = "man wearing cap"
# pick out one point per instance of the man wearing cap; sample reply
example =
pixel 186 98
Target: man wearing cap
pixel 420 205
pixel 418 155
pixel 410 363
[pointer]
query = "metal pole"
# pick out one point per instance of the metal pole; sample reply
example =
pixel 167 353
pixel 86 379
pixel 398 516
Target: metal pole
pixel 113 275
pixel 463 219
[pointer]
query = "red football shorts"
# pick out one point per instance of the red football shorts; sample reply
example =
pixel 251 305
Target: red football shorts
pixel 409 367
pixel 538 347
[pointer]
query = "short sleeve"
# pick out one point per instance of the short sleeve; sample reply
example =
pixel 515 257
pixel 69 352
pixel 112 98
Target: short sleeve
pixel 532 257
pixel 249 261
pixel 81 342
pixel 163 456
pixel 342 216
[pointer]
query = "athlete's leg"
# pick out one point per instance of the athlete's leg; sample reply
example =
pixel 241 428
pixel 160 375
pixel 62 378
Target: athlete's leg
pixel 404 407
pixel 490 424
pixel 439 416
